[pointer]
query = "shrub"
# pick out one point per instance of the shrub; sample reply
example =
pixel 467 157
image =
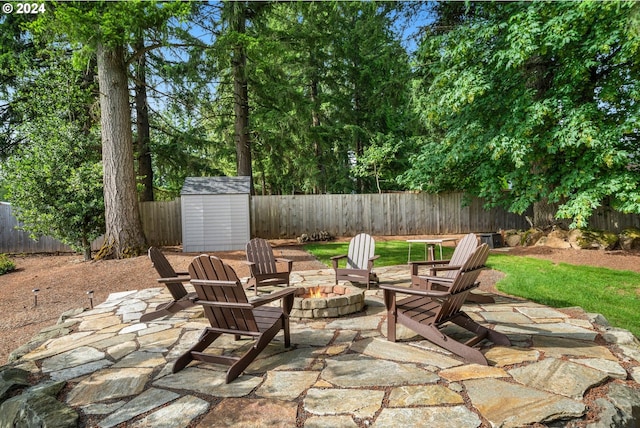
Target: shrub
pixel 6 265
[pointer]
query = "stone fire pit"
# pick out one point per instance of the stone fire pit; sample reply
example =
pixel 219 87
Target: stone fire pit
pixel 327 301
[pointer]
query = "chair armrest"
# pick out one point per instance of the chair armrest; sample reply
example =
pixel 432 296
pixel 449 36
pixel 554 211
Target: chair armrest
pixel 335 260
pixel 414 291
pixel 429 262
pixel 211 282
pixel 174 279
pixel 272 297
pixel 370 261
pixel 230 305
pixel 436 280
pixel 287 261
pixel 445 268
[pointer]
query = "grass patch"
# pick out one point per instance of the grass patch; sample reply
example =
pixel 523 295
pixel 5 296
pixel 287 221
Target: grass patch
pixel 612 293
pixel 391 252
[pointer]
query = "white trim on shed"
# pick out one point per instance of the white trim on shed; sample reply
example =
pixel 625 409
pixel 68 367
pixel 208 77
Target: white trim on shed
pixel 215 213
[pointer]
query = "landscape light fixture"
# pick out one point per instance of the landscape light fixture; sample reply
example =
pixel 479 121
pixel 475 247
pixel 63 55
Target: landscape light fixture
pixel 35 296
pixel 90 294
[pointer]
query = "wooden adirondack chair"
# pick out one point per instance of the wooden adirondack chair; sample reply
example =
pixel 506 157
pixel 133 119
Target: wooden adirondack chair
pixel 447 269
pixel 173 281
pixel 360 258
pixel 229 312
pixel 264 266
pixel 426 310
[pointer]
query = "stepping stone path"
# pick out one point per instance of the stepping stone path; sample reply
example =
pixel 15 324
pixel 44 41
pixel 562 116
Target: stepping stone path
pixel 103 368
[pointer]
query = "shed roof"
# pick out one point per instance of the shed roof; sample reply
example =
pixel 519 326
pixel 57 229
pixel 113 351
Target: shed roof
pixel 216 185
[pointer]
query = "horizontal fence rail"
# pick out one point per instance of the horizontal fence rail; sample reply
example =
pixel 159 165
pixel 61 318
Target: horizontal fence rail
pixel 290 216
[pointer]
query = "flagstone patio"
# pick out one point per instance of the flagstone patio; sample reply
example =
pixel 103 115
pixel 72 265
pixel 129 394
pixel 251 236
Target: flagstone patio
pixel 103 368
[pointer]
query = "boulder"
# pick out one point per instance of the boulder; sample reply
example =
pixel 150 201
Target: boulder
pixel 531 237
pixel 37 409
pixel 512 238
pixel 593 239
pixel 558 239
pixel 11 379
pixel 630 239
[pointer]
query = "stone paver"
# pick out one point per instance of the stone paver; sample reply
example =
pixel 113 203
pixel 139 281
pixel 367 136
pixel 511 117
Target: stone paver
pixel 340 372
pixel 510 405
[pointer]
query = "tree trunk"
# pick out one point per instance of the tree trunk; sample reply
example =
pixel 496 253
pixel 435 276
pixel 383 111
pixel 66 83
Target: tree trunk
pixel 241 96
pixel 145 171
pixel 124 235
pixel 320 186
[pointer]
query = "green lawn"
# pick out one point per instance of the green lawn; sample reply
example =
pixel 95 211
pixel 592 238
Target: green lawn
pixel 612 293
pixel 391 252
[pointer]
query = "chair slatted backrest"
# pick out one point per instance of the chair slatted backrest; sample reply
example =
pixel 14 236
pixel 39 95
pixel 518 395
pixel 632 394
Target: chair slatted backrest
pixel 464 281
pixel 165 270
pixel 465 247
pixel 227 290
pixel 361 248
pixel 259 251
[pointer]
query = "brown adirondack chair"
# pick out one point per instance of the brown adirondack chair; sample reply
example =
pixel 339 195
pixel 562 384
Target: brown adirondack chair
pixel 359 264
pixel 264 266
pixel 228 310
pixel 173 281
pixel 447 269
pixel 426 310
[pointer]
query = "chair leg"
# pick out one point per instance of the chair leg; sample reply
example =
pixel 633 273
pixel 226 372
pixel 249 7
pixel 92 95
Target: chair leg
pixel 167 309
pixel 434 335
pixel 464 321
pixel 206 339
pixel 243 362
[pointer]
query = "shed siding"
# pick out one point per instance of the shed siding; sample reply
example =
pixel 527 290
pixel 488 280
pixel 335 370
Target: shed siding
pixel 215 222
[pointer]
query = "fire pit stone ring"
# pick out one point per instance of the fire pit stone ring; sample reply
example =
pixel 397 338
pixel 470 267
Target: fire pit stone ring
pixel 327 301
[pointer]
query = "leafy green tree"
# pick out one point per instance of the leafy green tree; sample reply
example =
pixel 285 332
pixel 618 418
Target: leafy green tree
pixel 537 98
pixel 54 179
pixel 532 101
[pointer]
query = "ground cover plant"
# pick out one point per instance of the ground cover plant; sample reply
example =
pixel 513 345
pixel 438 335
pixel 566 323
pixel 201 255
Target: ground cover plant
pixel 391 252
pixel 6 265
pixel 613 293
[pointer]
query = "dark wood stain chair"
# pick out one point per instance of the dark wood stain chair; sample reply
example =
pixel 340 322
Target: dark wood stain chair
pixel 446 270
pixel 174 282
pixel 228 310
pixel 426 310
pixel 359 261
pixel 264 266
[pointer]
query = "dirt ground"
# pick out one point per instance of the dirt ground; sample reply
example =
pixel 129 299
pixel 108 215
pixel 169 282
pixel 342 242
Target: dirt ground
pixel 64 280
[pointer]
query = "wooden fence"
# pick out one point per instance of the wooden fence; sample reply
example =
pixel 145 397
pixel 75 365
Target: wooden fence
pixel 290 216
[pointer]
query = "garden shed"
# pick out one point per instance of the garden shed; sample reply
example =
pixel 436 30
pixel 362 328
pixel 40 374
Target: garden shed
pixel 215 213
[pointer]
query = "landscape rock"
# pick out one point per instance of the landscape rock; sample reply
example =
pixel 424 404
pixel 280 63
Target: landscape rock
pixel 531 236
pixel 594 239
pixel 37 409
pixel 10 379
pixel 630 239
pixel 557 238
pixel 621 410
